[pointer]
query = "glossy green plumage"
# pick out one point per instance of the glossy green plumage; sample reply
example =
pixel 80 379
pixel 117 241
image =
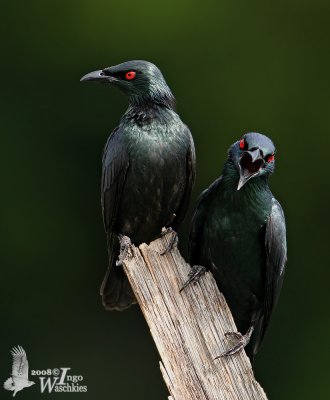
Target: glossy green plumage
pixel 229 238
pixel 148 169
pixel 157 156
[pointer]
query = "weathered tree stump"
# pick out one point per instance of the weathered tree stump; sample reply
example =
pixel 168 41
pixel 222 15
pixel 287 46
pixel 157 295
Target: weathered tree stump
pixel 188 327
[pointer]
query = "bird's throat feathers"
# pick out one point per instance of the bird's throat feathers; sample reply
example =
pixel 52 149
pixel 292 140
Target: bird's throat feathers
pixel 147 108
pixel 230 178
pixel 159 94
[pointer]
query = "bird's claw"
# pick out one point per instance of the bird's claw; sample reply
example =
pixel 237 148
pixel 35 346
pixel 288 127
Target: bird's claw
pixel 241 342
pixel 173 241
pixel 234 335
pixel 126 249
pixel 196 272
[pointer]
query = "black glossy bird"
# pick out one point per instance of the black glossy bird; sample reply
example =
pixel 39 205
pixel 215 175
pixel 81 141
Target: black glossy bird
pixel 239 234
pixel 148 168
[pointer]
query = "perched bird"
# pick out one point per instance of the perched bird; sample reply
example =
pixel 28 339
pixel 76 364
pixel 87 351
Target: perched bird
pixel 239 234
pixel 20 372
pixel 148 168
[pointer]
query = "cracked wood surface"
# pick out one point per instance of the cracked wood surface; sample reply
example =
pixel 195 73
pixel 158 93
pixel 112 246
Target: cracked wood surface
pixel 188 327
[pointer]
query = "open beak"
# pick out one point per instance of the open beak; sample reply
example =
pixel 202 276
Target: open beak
pixel 249 166
pixel 98 76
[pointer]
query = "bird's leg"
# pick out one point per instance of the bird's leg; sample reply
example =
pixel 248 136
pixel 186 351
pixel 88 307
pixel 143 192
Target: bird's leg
pixel 196 272
pixel 173 241
pixel 126 250
pixel 241 342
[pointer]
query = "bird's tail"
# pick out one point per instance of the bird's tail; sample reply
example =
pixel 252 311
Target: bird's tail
pixel 8 385
pixel 115 290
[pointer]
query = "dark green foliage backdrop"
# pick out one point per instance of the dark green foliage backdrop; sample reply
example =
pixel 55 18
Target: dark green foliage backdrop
pixel 234 66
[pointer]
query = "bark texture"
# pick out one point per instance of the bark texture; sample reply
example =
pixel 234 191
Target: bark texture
pixel 188 327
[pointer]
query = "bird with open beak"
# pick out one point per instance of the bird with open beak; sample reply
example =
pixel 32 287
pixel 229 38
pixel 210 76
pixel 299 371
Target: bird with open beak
pixel 239 234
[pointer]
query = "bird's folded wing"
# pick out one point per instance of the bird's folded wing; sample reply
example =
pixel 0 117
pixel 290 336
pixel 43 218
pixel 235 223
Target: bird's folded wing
pixel 114 168
pixel 20 363
pixel 197 224
pixel 276 255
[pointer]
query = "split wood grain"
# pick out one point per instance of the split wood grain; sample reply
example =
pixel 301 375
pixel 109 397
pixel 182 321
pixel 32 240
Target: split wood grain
pixel 188 327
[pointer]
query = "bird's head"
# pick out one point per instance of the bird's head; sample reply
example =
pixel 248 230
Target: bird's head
pixel 142 81
pixel 253 155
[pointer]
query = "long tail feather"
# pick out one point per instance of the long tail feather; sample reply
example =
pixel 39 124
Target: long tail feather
pixel 115 290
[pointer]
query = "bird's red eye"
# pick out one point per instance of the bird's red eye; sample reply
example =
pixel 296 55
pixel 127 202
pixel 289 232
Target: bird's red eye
pixel 130 75
pixel 271 158
pixel 242 144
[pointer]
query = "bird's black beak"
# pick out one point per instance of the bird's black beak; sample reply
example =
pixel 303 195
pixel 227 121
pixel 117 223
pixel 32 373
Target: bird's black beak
pixel 98 76
pixel 249 166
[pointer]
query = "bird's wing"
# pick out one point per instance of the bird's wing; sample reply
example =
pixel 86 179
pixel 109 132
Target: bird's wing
pixel 197 224
pixel 190 180
pixel 276 256
pixel 196 230
pixel 115 289
pixel 20 366
pixel 114 167
pixel 276 253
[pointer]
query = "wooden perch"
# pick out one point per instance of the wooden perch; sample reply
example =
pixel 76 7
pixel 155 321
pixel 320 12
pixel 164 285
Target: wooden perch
pixel 188 327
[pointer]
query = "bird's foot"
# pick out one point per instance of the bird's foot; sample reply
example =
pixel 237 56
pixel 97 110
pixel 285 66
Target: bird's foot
pixel 196 272
pixel 126 249
pixel 240 342
pixel 173 241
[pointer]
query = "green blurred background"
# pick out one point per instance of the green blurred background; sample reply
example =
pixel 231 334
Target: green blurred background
pixel 234 66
